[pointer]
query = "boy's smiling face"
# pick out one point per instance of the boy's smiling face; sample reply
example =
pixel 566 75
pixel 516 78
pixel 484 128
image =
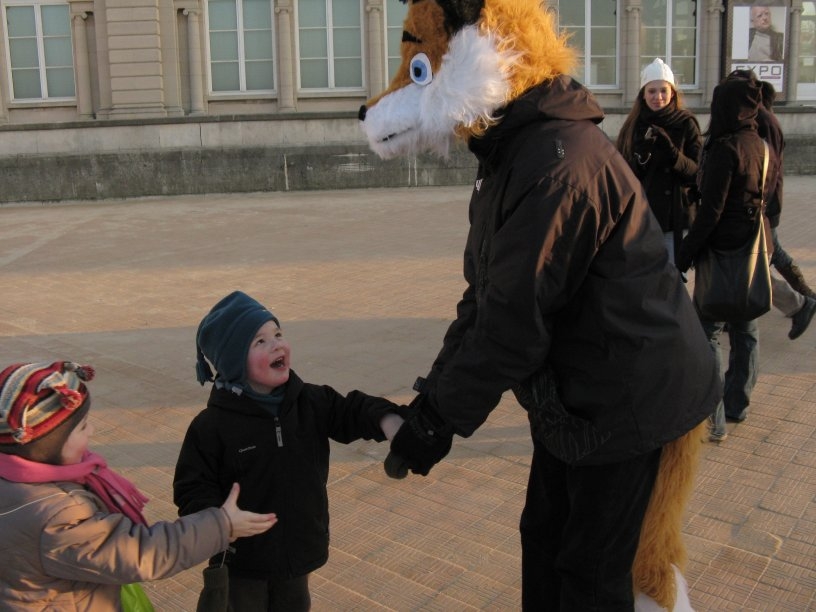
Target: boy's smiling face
pixel 268 359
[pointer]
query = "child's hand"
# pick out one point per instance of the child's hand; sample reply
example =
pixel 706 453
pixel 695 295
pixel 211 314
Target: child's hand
pixel 243 523
pixel 390 424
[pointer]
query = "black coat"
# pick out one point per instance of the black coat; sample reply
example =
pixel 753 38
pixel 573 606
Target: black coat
pixel 565 265
pixel 667 170
pixel 282 465
pixel 769 128
pixel 731 171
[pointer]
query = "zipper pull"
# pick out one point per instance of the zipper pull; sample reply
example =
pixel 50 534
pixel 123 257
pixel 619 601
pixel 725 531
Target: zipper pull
pixel 278 433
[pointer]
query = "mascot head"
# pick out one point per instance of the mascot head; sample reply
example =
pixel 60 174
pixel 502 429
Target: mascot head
pixel 461 61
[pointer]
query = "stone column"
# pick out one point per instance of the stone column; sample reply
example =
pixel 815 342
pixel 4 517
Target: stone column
pixel 711 50
pixel 376 51
pixel 3 112
pixel 631 46
pixel 194 58
pixel 286 56
pixel 83 69
pixel 134 44
pixel 792 59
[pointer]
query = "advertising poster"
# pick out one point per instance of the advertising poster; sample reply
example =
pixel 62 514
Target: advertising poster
pixel 759 41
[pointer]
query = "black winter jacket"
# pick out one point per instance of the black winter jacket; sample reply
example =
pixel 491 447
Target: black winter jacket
pixel 769 129
pixel 282 465
pixel 565 264
pixel 731 173
pixel 667 173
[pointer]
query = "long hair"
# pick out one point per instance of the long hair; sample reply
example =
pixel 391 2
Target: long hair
pixel 626 136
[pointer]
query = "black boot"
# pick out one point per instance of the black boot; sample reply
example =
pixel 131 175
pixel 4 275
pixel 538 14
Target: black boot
pixel 795 279
pixel 801 319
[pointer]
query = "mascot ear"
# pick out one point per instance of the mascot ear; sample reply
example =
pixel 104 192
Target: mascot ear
pixel 459 13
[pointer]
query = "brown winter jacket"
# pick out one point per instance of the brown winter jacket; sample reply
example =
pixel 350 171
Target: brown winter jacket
pixel 61 549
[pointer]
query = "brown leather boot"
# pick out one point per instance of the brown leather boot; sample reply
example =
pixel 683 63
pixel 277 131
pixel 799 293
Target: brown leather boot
pixel 796 279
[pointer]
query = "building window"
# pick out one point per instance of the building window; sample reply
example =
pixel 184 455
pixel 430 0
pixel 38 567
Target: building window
pixel 593 29
pixel 39 51
pixel 330 44
pixel 668 30
pixel 395 12
pixel 806 87
pixel 241 43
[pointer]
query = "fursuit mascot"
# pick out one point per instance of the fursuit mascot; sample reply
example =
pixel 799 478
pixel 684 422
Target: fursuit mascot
pixel 571 303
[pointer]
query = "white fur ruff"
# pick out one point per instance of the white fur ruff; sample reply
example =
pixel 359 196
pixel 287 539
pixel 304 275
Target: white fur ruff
pixel 644 603
pixel 472 82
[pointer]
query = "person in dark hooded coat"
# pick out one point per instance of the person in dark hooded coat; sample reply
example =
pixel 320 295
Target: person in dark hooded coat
pixel 731 190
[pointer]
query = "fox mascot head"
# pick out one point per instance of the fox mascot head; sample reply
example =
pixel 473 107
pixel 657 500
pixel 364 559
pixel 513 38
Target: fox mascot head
pixel 461 61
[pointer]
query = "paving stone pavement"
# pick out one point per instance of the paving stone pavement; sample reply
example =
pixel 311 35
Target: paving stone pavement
pixel 365 283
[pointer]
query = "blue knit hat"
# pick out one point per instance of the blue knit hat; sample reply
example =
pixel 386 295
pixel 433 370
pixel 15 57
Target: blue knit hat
pixel 224 337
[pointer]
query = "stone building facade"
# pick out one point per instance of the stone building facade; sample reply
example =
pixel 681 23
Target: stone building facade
pixel 110 98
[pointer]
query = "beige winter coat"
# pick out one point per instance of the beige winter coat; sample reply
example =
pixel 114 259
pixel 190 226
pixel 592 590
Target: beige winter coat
pixel 61 549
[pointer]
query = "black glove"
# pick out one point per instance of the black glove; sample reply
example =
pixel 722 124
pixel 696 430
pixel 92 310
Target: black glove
pixel 422 441
pixel 662 137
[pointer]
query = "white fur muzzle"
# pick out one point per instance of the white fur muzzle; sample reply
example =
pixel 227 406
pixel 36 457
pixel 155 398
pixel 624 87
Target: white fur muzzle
pixel 472 82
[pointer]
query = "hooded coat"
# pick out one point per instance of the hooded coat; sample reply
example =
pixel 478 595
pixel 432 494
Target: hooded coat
pixel 731 174
pixel 566 268
pixel 281 462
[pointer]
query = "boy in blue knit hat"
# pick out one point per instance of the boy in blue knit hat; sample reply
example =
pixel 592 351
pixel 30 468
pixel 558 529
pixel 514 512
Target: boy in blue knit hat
pixel 269 431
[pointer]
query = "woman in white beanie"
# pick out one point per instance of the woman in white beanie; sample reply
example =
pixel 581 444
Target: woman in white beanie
pixel 661 141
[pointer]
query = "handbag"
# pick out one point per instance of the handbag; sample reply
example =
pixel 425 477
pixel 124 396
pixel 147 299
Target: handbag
pixel 735 284
pixel 134 599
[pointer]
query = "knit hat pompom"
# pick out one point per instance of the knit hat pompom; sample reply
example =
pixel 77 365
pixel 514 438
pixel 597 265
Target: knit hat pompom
pixel 36 398
pixel 224 337
pixel 658 70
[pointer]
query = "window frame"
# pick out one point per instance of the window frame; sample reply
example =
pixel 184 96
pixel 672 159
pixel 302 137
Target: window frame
pixel 42 68
pixel 586 66
pixel 331 89
pixel 667 54
pixel 243 92
pixel 388 58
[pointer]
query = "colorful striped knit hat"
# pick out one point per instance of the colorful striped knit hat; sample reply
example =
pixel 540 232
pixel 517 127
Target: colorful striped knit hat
pixel 36 398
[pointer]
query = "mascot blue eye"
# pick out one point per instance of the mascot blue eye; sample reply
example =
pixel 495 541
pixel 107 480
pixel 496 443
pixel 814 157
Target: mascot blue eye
pixel 421 72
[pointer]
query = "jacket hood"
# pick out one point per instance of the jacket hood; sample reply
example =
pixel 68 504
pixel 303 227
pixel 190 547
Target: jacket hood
pixel 562 98
pixel 734 106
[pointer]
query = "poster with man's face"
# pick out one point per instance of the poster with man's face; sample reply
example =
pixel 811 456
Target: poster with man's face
pixel 758 40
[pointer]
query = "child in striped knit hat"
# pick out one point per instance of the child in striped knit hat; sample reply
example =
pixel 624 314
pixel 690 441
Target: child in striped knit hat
pixel 74 537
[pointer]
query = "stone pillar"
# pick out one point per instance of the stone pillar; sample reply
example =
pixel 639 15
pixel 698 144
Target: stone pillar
pixel 792 59
pixel 103 69
pixel 286 56
pixel 375 23
pixel 711 51
pixel 169 54
pixel 631 46
pixel 83 69
pixel 134 43
pixel 194 58
pixel 3 112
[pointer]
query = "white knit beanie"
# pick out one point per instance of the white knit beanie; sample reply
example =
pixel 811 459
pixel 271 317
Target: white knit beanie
pixel 657 71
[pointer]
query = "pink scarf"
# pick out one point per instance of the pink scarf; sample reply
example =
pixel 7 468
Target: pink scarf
pixel 117 492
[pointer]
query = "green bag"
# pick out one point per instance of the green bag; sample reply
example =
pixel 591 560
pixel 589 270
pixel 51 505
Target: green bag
pixel 134 599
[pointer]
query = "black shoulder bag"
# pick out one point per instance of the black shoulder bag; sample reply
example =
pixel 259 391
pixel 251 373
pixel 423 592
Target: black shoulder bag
pixel 735 284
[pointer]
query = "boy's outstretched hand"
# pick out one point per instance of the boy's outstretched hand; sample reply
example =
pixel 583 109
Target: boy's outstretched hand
pixel 242 522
